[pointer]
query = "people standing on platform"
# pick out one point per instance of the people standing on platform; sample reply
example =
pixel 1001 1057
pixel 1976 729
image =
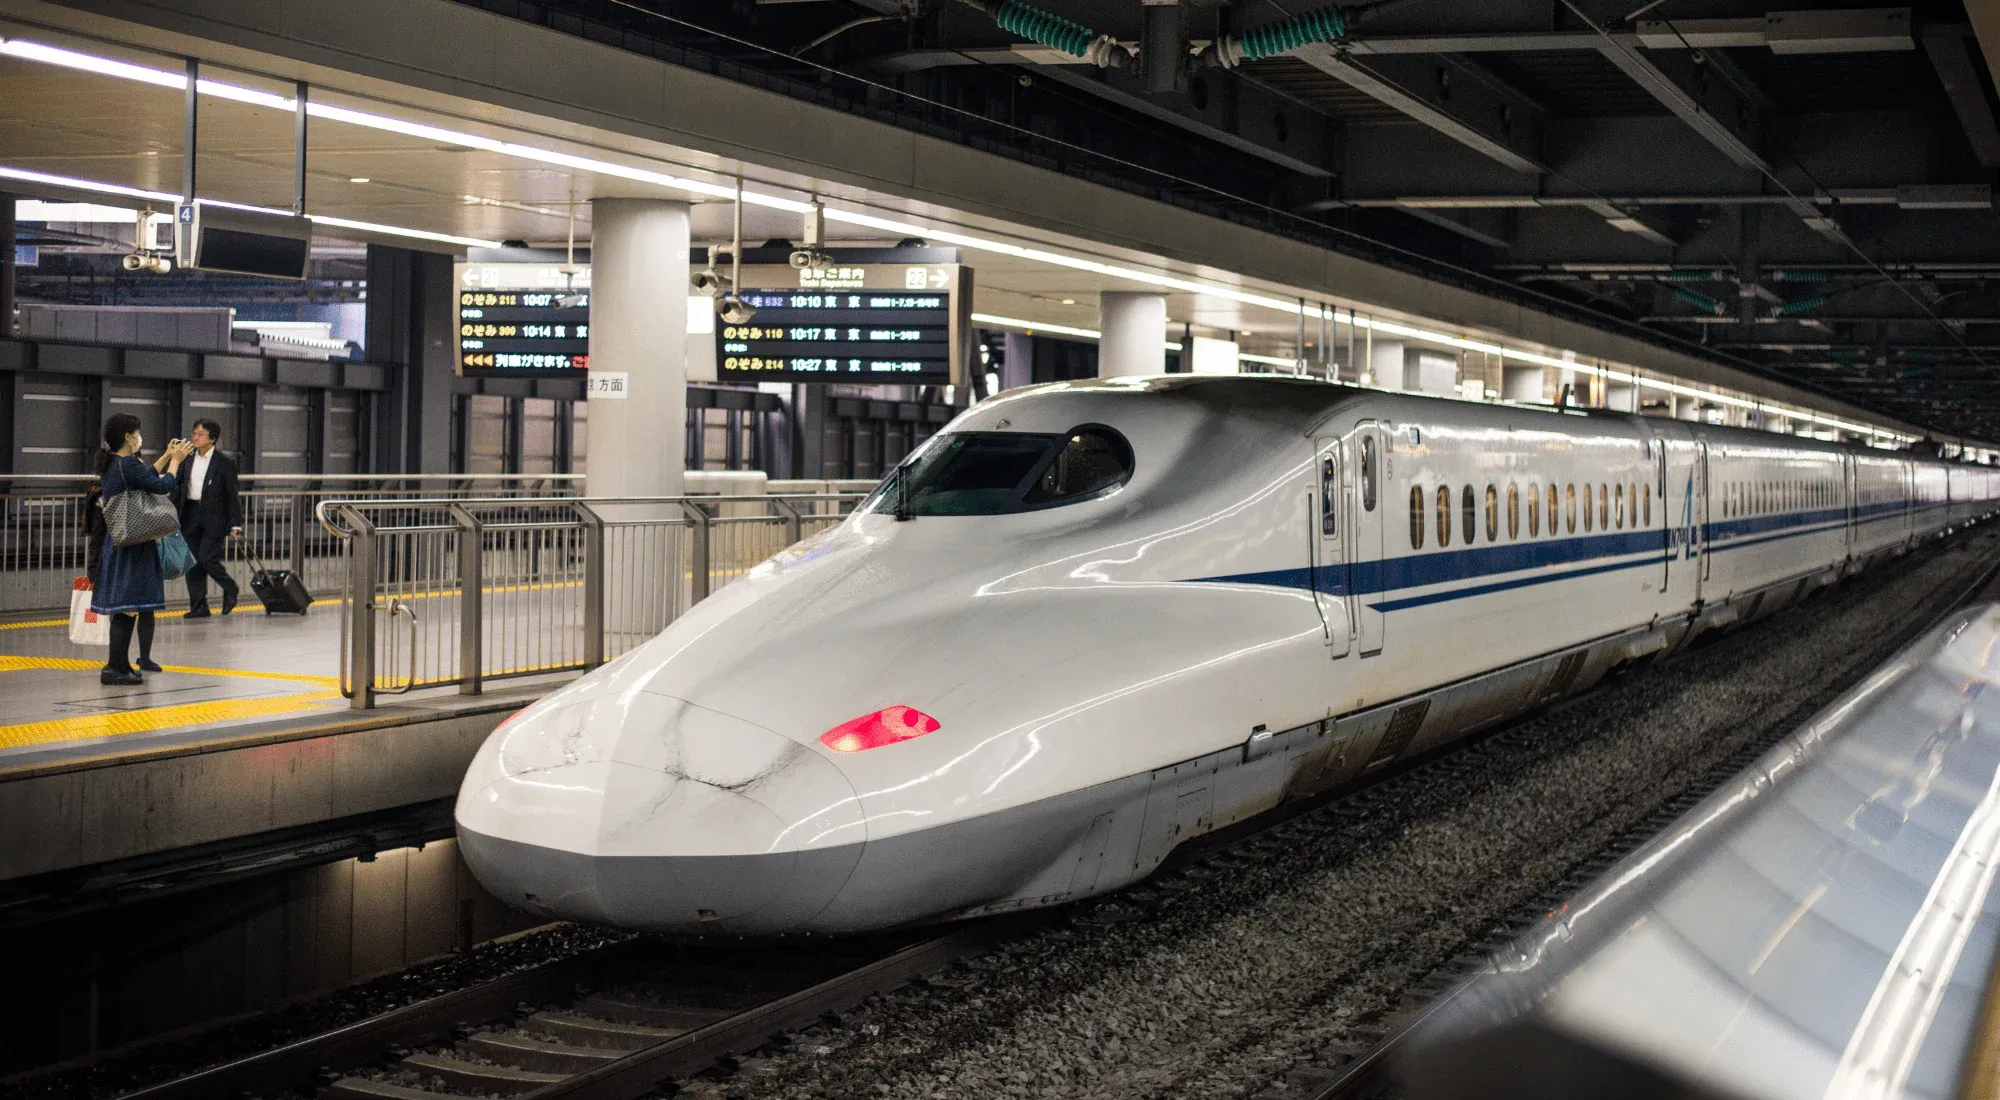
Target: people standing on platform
pixel 211 513
pixel 128 584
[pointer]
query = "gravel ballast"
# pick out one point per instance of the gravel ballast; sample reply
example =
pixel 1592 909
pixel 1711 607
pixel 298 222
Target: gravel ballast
pixel 1293 947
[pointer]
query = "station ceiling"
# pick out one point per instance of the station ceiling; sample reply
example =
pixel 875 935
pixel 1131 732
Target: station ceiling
pixel 1803 195
pixel 1801 185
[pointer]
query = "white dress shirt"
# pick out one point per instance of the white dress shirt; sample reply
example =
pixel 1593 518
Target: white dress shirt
pixel 198 473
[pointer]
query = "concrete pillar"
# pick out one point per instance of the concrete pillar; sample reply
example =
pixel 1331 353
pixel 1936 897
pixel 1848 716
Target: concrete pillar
pixel 1134 328
pixel 638 328
pixel 1017 363
pixel 410 326
pixel 1385 363
pixel 1431 372
pixel 1211 356
pixel 6 265
pixel 1523 384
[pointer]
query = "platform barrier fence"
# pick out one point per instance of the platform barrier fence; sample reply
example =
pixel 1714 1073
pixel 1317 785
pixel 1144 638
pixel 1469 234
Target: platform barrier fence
pixel 459 591
pixel 43 537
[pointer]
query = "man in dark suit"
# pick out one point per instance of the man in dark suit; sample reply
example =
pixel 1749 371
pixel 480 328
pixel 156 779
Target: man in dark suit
pixel 211 512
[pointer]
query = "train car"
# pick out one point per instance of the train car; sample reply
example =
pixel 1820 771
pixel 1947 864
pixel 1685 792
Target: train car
pixel 1090 620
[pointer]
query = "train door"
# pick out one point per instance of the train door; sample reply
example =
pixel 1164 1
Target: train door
pixel 1331 589
pixel 1850 502
pixel 1657 446
pixel 1367 461
pixel 1698 527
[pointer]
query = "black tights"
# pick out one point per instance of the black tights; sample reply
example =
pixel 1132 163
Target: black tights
pixel 121 640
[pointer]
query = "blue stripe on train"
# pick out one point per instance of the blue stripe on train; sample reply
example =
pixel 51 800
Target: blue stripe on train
pixel 1444 566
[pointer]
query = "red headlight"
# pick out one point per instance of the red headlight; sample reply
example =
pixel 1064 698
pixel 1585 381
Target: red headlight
pixel 884 727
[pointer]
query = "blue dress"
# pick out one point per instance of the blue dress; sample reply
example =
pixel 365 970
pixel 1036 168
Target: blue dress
pixel 128 577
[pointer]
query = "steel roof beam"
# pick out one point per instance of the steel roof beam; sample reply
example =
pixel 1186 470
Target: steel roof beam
pixel 1953 52
pixel 1503 127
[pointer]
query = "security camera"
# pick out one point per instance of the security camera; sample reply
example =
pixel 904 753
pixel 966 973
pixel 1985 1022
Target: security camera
pixel 710 282
pixel 734 310
pixel 146 261
pixel 134 262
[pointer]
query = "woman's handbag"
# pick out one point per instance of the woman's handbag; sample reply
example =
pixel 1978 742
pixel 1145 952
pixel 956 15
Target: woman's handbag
pixel 175 557
pixel 133 517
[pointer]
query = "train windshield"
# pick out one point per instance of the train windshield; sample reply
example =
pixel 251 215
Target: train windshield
pixel 991 473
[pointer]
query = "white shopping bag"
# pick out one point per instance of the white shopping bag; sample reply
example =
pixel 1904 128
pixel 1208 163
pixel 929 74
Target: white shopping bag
pixel 86 627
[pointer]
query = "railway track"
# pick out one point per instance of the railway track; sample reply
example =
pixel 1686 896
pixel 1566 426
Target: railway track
pixel 1369 1072
pixel 615 1022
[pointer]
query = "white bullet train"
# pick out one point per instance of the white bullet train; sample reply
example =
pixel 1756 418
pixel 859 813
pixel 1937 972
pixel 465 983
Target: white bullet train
pixel 1090 620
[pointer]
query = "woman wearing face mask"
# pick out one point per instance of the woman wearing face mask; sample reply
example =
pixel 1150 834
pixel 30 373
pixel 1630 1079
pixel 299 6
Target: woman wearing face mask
pixel 128 584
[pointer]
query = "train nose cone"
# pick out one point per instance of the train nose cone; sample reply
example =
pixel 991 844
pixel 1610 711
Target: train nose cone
pixel 645 811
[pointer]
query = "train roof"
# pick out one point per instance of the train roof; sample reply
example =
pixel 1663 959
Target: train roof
pixel 1302 402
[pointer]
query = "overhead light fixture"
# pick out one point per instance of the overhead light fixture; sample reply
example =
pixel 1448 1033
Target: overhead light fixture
pixel 72 183
pixel 359 179
pixel 53 55
pixel 1069 301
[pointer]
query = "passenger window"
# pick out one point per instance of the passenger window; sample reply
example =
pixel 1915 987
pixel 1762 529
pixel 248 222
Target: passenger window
pixel 1444 517
pixel 1569 505
pixel 1586 506
pixel 1513 512
pixel 1620 497
pixel 1492 514
pixel 1368 475
pixel 1416 517
pixel 1649 503
pixel 1534 510
pixel 1552 508
pixel 1329 493
pixel 1604 507
pixel 1468 506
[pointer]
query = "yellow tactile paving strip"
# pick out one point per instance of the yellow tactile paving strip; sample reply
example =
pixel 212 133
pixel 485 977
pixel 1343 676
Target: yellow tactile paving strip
pixel 38 624
pixel 153 719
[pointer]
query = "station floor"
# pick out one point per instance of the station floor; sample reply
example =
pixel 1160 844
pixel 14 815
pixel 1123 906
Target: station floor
pixel 220 672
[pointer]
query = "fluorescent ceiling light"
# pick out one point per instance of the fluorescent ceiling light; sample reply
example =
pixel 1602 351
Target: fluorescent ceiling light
pixel 165 79
pixel 71 183
pixel 1060 330
pixel 73 213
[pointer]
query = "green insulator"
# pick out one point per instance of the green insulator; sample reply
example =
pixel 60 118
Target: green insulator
pixel 1045 27
pixel 1701 301
pixel 1327 24
pixel 1799 305
pixel 1694 276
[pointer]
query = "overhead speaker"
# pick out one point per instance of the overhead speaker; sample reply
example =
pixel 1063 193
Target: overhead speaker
pixel 246 242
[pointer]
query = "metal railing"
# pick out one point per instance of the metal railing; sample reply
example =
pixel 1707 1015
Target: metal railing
pixel 42 532
pixel 443 592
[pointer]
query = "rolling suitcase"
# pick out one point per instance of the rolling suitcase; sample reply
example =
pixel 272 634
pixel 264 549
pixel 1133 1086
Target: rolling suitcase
pixel 280 590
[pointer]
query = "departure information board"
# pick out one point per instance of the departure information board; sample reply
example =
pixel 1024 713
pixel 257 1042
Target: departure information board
pixel 516 318
pixel 858 323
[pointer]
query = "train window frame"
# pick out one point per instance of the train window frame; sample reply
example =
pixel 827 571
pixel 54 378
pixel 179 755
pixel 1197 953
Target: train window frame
pixel 1619 512
pixel 1555 510
pixel 1417 520
pixel 1513 511
pixel 1587 517
pixel 1647 488
pixel 1492 513
pixel 1569 505
pixel 1534 509
pixel 1469 504
pixel 1444 517
pixel 1369 472
pixel 1329 494
pixel 1603 507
